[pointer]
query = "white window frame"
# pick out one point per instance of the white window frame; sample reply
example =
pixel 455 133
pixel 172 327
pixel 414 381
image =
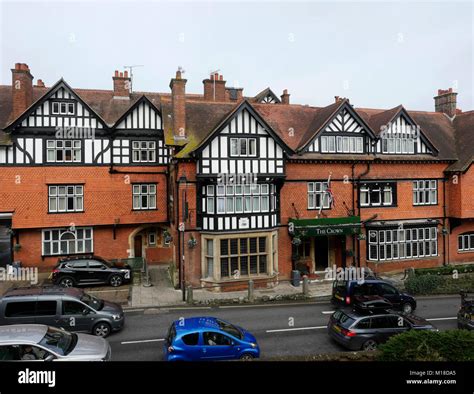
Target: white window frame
pixel 52 146
pixel 139 147
pixel 466 242
pixel 56 195
pixel 315 189
pixel 236 147
pixel 56 238
pixel 138 193
pixel 425 192
pixel 59 110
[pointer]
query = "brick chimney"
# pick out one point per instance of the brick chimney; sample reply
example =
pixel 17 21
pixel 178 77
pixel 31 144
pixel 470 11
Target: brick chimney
pixel 121 85
pixel 445 102
pixel 214 88
pixel 40 84
pixel 22 89
pixel 178 104
pixel 285 97
pixel 234 94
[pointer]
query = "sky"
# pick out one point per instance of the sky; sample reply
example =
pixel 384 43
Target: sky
pixel 378 54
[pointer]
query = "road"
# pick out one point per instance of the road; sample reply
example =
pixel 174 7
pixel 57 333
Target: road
pixel 281 329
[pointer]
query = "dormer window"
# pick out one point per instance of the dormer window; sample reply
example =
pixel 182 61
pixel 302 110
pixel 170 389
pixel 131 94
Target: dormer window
pixel 243 147
pixel 63 108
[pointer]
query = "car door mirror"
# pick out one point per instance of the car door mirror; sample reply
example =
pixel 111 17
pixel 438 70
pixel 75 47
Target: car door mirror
pixel 50 357
pixel 85 311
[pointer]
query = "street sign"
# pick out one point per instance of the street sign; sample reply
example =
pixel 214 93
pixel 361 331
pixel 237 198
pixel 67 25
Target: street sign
pixel 181 227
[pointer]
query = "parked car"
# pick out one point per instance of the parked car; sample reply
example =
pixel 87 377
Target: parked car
pixel 208 338
pixel 90 270
pixel 68 308
pixel 360 331
pixel 344 292
pixel 37 342
pixel 466 312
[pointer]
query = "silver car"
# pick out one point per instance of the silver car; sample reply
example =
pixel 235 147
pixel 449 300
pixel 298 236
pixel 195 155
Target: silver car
pixel 37 342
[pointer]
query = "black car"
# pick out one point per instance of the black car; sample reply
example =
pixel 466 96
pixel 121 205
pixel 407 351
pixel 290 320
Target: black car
pixel 361 331
pixel 90 270
pixel 466 312
pixel 345 292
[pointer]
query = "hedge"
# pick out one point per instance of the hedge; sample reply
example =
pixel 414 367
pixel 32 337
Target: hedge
pixel 439 284
pixel 418 345
pixel 445 270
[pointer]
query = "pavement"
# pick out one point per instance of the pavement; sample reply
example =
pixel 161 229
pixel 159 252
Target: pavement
pixel 162 293
pixel 281 329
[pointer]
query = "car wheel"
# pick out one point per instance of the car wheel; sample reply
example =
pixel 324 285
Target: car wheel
pixel 246 357
pixel 67 281
pixel 369 345
pixel 115 280
pixel 407 308
pixel 101 329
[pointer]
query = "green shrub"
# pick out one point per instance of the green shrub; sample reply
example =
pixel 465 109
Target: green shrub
pixel 445 270
pixel 423 284
pixel 414 345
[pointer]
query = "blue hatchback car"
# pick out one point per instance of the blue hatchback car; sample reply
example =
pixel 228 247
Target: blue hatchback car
pixel 208 338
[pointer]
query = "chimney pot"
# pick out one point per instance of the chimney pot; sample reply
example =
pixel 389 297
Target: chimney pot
pixel 116 73
pixel 125 74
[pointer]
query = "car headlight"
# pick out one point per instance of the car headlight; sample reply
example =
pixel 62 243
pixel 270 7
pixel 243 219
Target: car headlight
pixel 254 345
pixel 116 317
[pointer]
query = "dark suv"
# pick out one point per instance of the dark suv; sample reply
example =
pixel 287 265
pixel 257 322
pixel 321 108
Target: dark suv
pixel 90 270
pixel 346 292
pixel 365 331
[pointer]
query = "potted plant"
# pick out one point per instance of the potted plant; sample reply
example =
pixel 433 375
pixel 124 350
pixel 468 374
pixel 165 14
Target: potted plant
pixel 17 247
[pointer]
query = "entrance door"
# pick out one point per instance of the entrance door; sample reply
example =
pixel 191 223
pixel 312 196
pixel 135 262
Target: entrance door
pixel 138 246
pixel 321 253
pixel 5 244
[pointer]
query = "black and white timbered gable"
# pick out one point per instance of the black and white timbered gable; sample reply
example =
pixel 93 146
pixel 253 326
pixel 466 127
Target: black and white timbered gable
pixel 242 144
pixel 54 130
pixel 402 136
pixel 267 97
pixel 138 136
pixel 239 167
pixel 343 132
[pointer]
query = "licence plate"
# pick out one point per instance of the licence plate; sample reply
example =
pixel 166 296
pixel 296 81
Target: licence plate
pixel 339 297
pixel 336 328
pixel 50 276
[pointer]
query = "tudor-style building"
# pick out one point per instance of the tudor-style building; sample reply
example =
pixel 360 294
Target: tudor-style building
pixel 226 187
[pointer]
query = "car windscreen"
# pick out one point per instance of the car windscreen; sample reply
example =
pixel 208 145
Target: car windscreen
pixel 342 319
pixel 339 286
pixel 59 341
pixel 230 329
pixel 171 335
pixel 94 302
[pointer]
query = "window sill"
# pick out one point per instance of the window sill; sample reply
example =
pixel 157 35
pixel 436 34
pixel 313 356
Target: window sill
pixel 243 278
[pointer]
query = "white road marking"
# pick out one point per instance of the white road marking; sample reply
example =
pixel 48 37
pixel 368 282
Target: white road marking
pixel 180 308
pixel 142 341
pixel 268 305
pixel 297 329
pixel 327 312
pixel 442 318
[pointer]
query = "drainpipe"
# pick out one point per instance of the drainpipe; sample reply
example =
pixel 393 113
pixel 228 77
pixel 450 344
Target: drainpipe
pixel 358 210
pixel 445 258
pixel 353 212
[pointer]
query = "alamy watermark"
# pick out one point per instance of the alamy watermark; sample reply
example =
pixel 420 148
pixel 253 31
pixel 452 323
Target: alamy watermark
pixel 350 273
pixel 19 274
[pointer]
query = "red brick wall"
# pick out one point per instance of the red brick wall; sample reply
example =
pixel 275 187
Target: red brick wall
pixel 107 197
pixel 104 245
